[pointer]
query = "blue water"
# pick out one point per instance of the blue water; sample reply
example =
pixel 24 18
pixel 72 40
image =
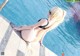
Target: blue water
pixel 65 38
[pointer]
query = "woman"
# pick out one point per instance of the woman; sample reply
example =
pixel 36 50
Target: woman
pixel 36 32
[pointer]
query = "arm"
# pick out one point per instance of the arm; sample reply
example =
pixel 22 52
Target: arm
pixel 42 22
pixel 22 28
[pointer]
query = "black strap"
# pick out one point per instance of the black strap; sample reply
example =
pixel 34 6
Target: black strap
pixel 44 27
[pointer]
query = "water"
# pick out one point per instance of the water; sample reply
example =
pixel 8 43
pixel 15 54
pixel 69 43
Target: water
pixel 65 38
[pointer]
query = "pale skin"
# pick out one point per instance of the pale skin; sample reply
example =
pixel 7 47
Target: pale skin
pixel 35 34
